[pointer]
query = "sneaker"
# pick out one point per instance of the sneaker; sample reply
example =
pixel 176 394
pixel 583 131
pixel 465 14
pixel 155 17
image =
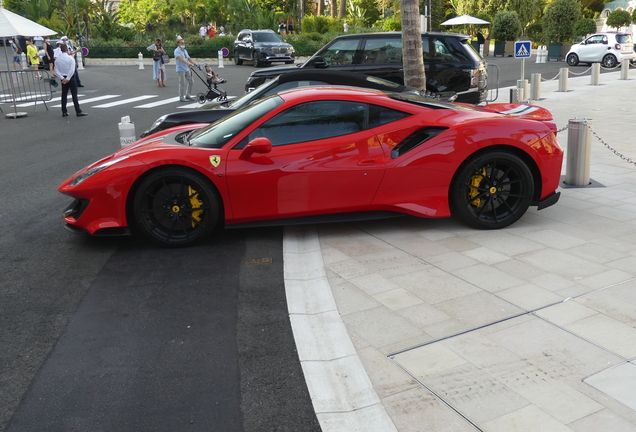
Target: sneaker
pixel 183 100
pixel 190 98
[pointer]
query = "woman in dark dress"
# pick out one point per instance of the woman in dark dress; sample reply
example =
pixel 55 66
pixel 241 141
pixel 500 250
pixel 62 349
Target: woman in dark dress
pixel 49 57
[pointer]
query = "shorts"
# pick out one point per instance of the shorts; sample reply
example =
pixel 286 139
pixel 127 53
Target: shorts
pixel 16 59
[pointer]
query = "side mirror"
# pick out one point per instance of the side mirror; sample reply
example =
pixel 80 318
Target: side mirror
pixel 257 145
pixel 319 62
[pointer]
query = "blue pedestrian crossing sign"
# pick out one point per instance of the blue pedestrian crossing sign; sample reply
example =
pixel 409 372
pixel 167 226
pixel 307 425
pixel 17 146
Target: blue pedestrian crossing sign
pixel 522 49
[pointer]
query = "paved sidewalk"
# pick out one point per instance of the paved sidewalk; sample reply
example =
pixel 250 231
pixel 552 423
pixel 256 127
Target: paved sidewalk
pixel 439 327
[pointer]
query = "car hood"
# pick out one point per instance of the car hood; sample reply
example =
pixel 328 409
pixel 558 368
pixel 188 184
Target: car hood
pixel 272 44
pixel 274 71
pixel 168 138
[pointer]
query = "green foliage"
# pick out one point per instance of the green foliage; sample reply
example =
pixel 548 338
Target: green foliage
pixel 559 20
pixel 506 26
pixel 392 24
pixel 634 15
pixel 584 26
pixel 619 18
pixel 316 24
pixel 535 33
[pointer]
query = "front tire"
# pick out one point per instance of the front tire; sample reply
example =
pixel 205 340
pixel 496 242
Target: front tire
pixel 237 60
pixel 255 59
pixel 176 207
pixel 491 190
pixel 572 59
pixel 609 61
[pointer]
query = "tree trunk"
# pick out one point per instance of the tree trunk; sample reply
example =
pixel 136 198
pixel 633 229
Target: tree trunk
pixel 414 74
pixel 343 9
pixel 320 8
pixel 333 8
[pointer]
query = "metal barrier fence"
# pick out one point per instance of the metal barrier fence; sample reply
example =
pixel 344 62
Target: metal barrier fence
pixel 25 86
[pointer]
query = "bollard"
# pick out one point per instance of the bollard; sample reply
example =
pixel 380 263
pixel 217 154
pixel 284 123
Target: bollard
pixel 126 132
pixel 577 166
pixel 514 97
pixel 78 60
pixel 596 74
pixel 521 94
pixel 625 69
pixel 535 86
pixel 563 79
pixel 140 56
pixel 220 53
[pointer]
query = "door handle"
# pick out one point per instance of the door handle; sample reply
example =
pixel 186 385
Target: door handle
pixel 366 162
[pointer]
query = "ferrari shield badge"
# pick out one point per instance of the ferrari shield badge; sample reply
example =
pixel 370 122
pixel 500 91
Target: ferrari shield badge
pixel 215 161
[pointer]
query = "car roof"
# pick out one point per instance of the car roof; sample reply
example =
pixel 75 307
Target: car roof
pixel 341 78
pixel 399 34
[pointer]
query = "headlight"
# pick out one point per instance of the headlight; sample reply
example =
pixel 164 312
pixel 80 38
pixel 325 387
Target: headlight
pixel 158 121
pixel 88 173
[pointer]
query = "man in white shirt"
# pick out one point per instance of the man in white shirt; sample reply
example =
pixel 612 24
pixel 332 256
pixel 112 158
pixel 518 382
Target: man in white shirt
pixel 65 68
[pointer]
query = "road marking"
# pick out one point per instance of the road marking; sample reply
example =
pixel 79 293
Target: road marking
pixel 124 101
pixel 158 103
pixel 95 99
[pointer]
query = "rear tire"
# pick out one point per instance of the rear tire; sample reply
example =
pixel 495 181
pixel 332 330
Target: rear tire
pixel 609 61
pixel 491 190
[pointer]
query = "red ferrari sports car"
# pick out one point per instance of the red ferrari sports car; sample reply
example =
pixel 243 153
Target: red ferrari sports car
pixel 323 154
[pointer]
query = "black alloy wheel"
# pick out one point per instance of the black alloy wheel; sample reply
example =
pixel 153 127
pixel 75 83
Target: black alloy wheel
pixel 237 60
pixel 492 190
pixel 176 207
pixel 257 63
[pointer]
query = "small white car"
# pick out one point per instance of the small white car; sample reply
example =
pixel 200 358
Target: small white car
pixel 609 49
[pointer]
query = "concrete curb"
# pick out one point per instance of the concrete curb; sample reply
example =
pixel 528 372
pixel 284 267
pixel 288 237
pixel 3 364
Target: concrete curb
pixel 341 392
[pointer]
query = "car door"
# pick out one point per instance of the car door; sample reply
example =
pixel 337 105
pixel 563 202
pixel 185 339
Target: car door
pixel 382 58
pixel 593 49
pixel 244 46
pixel 322 160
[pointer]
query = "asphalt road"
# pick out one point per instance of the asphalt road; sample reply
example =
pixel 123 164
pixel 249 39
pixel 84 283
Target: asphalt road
pixel 114 333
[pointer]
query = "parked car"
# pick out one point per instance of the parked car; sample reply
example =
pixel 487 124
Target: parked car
pixel 323 154
pixel 214 111
pixel 609 49
pixel 451 63
pixel 262 47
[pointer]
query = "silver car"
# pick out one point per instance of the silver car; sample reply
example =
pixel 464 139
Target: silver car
pixel 609 49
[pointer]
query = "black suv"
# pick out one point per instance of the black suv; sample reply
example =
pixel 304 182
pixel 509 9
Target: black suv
pixel 262 47
pixel 451 63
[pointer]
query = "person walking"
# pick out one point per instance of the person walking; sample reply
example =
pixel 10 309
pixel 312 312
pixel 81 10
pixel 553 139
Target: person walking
pixel 290 25
pixel 17 61
pixel 158 68
pixel 481 40
pixel 65 67
pixel 34 58
pixel 183 61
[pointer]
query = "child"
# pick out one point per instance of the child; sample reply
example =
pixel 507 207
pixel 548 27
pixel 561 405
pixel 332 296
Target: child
pixel 212 77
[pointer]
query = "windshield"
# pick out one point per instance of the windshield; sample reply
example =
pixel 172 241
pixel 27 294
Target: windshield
pixel 265 37
pixel 221 132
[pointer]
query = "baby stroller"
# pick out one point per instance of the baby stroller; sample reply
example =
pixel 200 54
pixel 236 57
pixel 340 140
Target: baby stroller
pixel 213 93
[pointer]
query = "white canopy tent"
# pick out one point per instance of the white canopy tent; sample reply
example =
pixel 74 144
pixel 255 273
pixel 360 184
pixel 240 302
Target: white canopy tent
pixel 464 19
pixel 12 25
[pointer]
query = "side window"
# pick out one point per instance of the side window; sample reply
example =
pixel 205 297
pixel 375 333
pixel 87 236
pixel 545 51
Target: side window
pixel 342 52
pixel 313 121
pixel 446 52
pixel 382 51
pixel 290 85
pixel 379 115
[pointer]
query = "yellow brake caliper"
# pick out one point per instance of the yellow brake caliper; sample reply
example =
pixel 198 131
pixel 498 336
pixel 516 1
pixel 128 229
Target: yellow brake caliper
pixel 195 203
pixel 475 181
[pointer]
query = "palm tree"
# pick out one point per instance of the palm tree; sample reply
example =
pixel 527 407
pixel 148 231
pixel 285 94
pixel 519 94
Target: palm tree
pixel 414 74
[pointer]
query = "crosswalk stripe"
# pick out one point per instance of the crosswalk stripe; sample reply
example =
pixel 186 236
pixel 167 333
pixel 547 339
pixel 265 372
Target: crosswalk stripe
pixel 124 101
pixel 55 99
pixel 158 103
pixel 190 106
pixel 94 99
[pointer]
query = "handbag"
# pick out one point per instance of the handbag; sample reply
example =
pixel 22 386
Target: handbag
pixel 156 57
pixel 165 58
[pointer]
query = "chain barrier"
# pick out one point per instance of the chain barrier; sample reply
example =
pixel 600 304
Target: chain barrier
pixel 609 147
pixel 612 68
pixel 582 73
pixel 551 79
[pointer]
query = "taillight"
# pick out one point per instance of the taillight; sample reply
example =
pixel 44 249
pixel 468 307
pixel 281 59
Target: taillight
pixel 617 47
